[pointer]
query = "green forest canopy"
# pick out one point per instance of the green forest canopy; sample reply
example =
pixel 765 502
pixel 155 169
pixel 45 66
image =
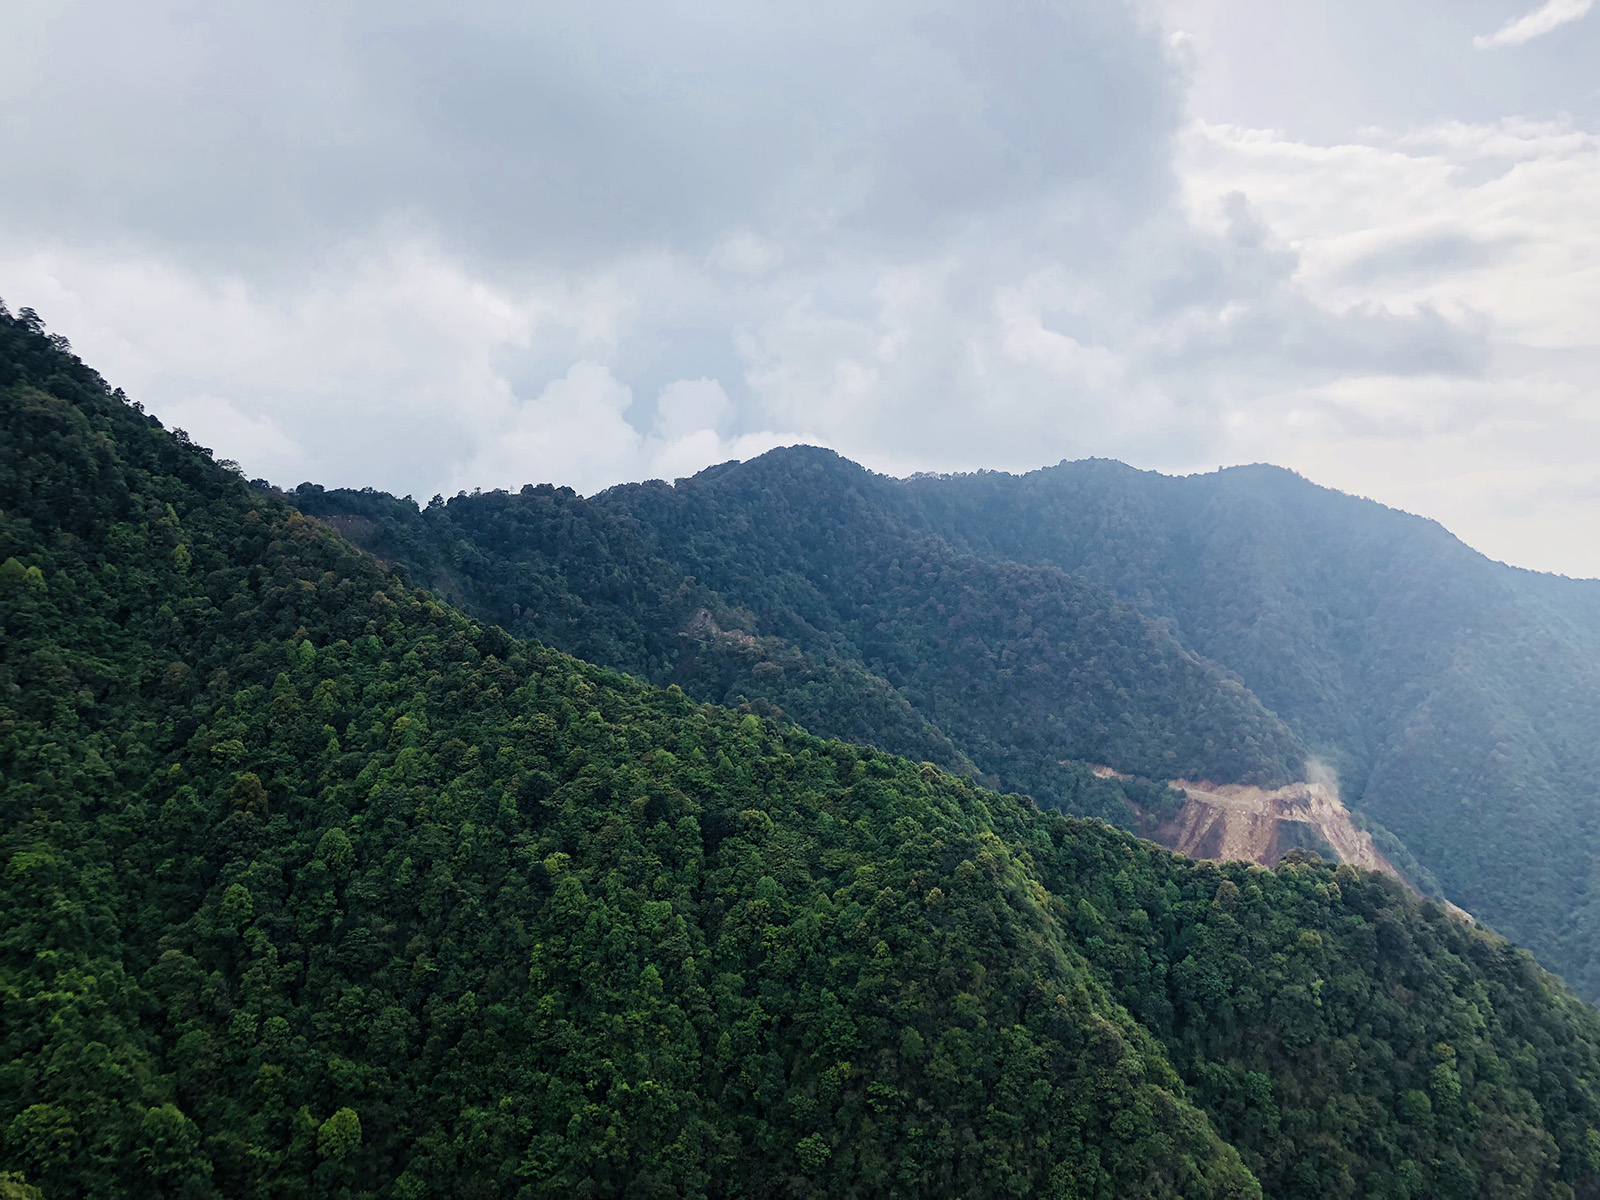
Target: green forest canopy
pixel 1000 624
pixel 1456 697
pixel 315 886
pixel 789 583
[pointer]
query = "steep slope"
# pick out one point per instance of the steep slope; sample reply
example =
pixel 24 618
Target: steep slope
pixel 843 616
pixel 314 886
pixel 1458 698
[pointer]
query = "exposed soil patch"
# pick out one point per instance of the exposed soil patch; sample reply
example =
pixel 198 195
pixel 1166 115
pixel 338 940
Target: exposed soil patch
pixel 1233 821
pixel 1229 821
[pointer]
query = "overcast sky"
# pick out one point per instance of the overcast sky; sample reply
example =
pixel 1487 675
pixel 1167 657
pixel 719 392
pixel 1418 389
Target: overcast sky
pixel 434 247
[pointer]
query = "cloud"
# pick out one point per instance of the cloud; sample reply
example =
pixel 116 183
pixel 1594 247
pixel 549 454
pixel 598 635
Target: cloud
pixel 430 249
pixel 689 405
pixel 1547 17
pixel 1423 255
pixel 1484 229
pixel 537 439
pixel 564 132
pixel 1321 71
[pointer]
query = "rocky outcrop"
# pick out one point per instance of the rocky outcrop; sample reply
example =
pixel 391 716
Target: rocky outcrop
pixel 1233 821
pixel 1236 822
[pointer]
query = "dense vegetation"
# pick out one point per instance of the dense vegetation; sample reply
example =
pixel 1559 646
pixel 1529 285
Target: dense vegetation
pixel 1458 698
pixel 1455 697
pixel 790 582
pixel 315 887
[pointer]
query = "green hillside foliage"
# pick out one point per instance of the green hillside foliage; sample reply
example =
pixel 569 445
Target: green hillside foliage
pixel 1458 698
pixel 315 887
pixel 792 581
pixel 969 621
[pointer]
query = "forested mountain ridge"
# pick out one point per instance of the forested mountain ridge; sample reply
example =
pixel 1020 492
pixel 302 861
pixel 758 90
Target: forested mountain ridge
pixel 846 617
pixel 315 886
pixel 1458 699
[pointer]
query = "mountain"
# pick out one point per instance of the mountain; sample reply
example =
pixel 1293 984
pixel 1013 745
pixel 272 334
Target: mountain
pixel 1457 698
pixel 1094 614
pixel 798 581
pixel 316 886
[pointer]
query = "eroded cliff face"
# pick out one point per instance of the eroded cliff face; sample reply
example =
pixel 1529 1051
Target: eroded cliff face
pixel 1236 822
pixel 1233 821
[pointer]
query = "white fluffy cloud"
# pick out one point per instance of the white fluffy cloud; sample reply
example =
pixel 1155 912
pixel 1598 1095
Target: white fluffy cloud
pixel 1492 225
pixel 429 249
pixel 1547 18
pixel 395 367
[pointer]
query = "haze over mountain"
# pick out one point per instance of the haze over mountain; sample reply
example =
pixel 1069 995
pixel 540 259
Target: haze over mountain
pixel 1458 699
pixel 318 886
pixel 1088 613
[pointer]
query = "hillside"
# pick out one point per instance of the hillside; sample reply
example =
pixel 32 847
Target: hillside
pixel 793 581
pixel 317 887
pixel 1090 612
pixel 1457 698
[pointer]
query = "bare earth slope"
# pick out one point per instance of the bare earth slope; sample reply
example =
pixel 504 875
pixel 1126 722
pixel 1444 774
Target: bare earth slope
pixel 1235 822
pixel 1232 821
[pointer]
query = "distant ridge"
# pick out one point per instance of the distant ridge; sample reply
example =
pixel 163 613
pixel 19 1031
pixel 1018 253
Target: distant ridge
pixel 1252 619
pixel 1456 699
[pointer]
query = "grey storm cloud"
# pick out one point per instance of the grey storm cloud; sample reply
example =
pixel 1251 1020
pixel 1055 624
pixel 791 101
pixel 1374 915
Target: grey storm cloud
pixel 568 132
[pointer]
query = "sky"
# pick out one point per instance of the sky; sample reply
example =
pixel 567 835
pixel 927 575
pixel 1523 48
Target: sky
pixel 431 248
